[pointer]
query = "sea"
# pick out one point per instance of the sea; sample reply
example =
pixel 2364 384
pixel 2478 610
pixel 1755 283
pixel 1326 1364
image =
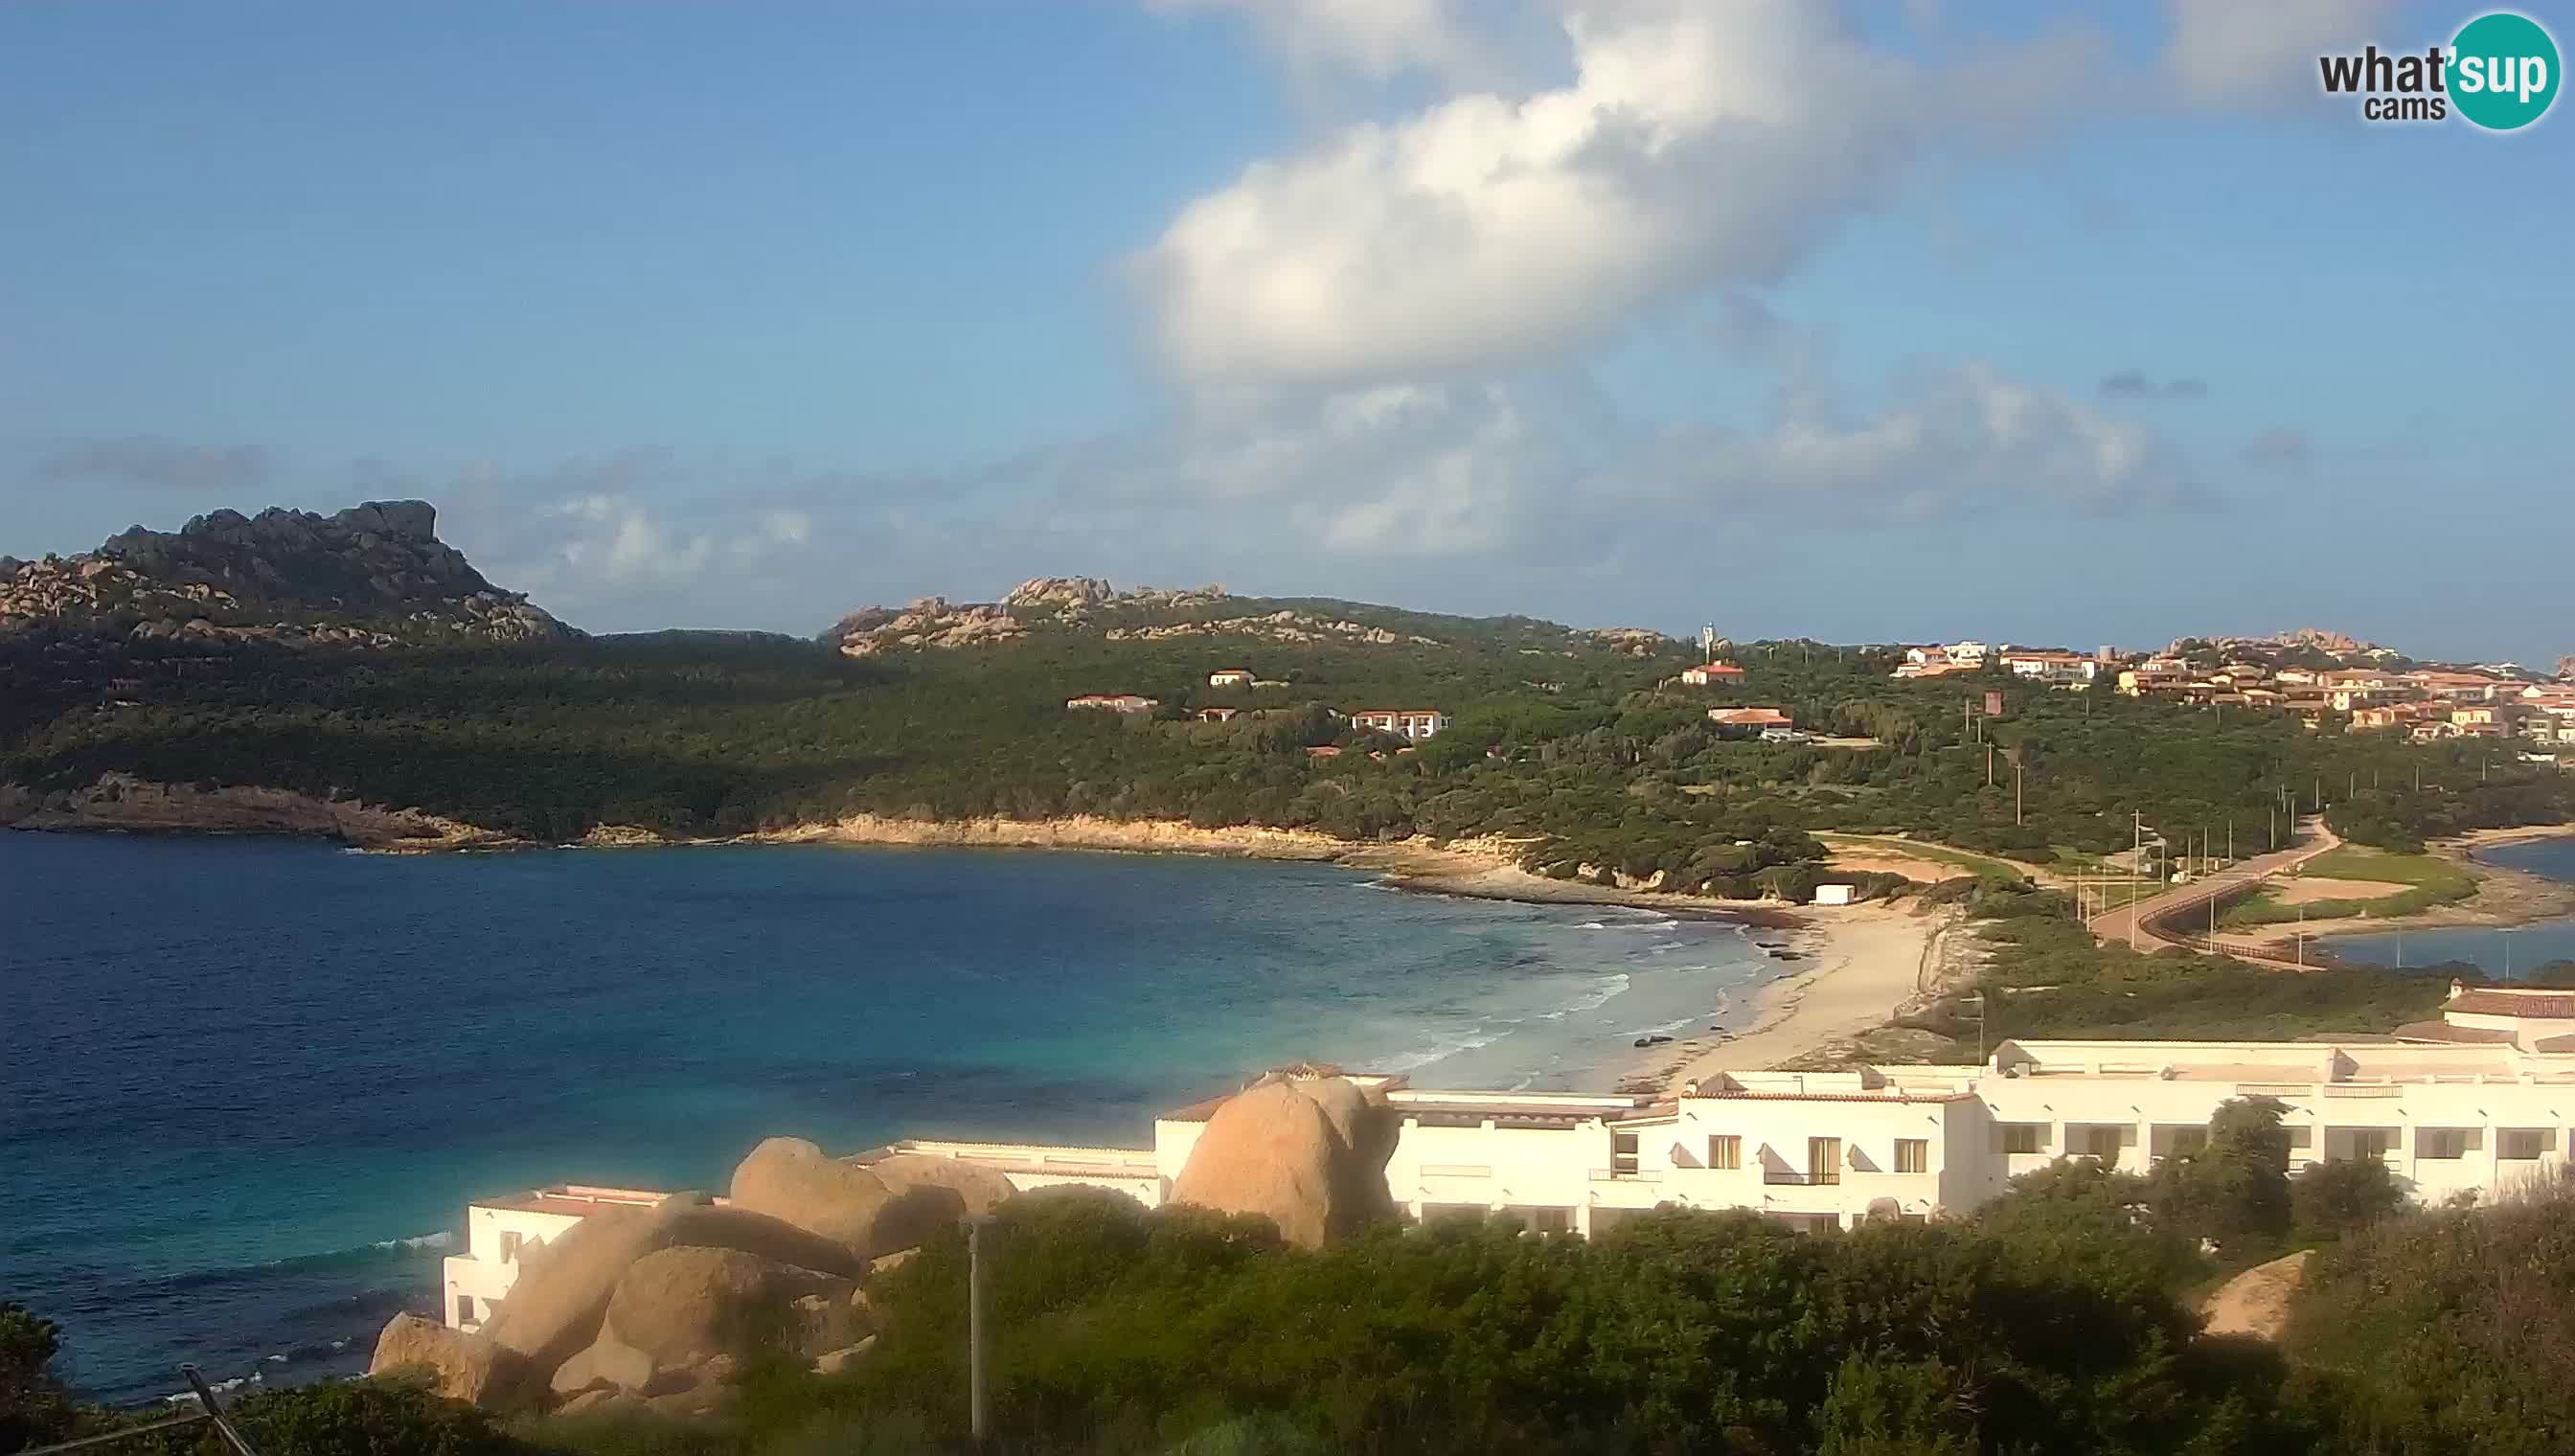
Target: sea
pixel 2497 950
pixel 247 1086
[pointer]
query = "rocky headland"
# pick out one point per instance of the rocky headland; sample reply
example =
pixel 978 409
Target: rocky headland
pixel 373 575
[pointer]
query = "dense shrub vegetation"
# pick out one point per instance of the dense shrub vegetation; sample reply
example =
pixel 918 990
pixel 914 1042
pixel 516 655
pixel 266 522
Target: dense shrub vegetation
pixel 2058 1318
pixel 1581 750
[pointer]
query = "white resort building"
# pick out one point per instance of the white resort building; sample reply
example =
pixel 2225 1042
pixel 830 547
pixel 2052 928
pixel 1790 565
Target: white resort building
pixel 2478 1103
pixel 499 1230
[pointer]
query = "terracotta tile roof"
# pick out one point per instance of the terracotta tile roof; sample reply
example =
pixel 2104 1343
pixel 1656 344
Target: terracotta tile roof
pixel 2551 1005
pixel 2444 1031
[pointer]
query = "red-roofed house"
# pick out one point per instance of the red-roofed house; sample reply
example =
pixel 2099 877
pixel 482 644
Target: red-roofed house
pixel 1721 675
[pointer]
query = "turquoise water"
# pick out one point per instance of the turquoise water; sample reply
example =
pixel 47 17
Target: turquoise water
pixel 246 1087
pixel 2493 949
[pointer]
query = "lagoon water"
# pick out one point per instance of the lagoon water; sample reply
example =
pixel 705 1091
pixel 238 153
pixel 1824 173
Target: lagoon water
pixel 247 1086
pixel 2488 948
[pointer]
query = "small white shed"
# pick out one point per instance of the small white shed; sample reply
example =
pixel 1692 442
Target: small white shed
pixel 1832 895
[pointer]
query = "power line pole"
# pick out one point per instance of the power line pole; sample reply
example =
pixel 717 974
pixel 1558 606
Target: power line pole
pixel 978 1337
pixel 2016 795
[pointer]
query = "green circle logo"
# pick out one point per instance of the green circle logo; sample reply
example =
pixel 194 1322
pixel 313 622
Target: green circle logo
pixel 2503 71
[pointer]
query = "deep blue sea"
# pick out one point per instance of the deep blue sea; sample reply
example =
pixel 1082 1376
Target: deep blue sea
pixel 2491 949
pixel 247 1086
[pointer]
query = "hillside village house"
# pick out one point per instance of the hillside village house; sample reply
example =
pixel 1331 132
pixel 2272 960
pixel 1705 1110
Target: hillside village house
pixel 1718 675
pixel 1750 720
pixel 2475 1105
pixel 1115 702
pixel 1230 678
pixel 2050 666
pixel 1415 724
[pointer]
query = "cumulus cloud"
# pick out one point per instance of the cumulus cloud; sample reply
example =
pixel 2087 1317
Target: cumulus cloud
pixel 155 461
pixel 2136 383
pixel 2277 450
pixel 1695 146
pixel 1535 473
pixel 1376 39
pixel 2231 52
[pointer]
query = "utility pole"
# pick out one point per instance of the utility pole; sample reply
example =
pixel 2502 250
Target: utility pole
pixel 979 1337
pixel 2016 796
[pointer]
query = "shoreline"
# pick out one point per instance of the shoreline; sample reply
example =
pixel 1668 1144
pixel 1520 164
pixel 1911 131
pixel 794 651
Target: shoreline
pixel 2504 897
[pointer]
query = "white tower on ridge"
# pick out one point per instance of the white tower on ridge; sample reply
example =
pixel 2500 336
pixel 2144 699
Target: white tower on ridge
pixel 1708 642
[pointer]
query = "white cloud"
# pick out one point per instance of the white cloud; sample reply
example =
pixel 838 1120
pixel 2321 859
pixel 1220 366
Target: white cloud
pixel 1377 39
pixel 2263 52
pixel 1696 145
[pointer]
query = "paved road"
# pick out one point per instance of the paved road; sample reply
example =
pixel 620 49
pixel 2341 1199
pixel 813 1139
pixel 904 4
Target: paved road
pixel 2136 923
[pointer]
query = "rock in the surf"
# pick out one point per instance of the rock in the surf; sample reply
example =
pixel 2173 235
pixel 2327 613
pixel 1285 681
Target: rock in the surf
pixel 842 1200
pixel 1306 1153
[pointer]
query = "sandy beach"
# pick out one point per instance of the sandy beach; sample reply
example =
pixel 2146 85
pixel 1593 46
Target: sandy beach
pixel 1868 962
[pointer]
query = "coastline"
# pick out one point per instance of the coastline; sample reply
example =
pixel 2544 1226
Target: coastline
pixel 1860 965
pixel 2504 897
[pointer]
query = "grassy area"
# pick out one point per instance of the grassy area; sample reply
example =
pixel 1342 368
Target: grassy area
pixel 2429 880
pixel 1983 866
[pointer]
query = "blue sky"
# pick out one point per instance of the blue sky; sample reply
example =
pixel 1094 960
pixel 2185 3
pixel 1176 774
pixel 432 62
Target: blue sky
pixel 1903 322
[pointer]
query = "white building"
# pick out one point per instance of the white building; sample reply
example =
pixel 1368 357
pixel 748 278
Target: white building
pixel 1415 724
pixel 2450 1109
pixel 1230 678
pixel 2478 1103
pixel 1712 674
pixel 499 1230
pixel 2051 667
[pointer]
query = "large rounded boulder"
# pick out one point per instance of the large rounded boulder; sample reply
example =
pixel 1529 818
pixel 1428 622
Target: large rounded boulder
pixel 557 1307
pixel 796 1183
pixel 982 1188
pixel 1307 1154
pixel 457 1365
pixel 684 1306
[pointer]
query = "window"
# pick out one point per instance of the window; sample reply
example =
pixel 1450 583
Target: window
pixel 509 1246
pixel 2188 1141
pixel 1622 1152
pixel 2023 1136
pixel 2372 1142
pixel 2443 1142
pixel 2521 1144
pixel 1912 1155
pixel 1823 1160
pixel 464 1309
pixel 1552 1220
pixel 1725 1151
pixel 2101 1143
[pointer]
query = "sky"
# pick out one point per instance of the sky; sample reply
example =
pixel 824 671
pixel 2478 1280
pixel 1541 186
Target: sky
pixel 2063 325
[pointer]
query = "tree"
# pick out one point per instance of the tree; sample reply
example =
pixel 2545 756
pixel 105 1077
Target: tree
pixel 2234 1191
pixel 2343 1196
pixel 35 1409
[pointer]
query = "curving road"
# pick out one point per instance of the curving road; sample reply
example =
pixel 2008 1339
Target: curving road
pixel 2136 923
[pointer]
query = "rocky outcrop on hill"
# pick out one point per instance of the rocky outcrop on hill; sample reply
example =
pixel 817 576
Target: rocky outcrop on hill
pixel 1303 1148
pixel 371 576
pixel 1636 642
pixel 1299 627
pixel 935 622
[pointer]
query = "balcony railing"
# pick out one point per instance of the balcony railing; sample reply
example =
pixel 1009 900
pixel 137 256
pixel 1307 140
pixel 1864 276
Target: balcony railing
pixel 1805 1179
